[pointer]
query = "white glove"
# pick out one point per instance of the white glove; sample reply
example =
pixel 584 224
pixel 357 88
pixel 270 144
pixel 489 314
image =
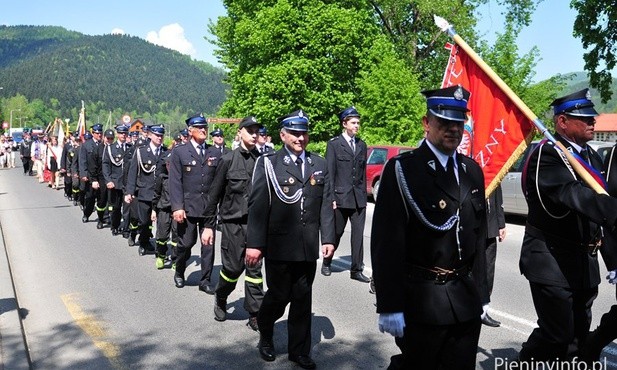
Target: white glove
pixel 392 323
pixel 612 277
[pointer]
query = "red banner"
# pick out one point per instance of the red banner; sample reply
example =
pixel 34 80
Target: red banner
pixel 497 132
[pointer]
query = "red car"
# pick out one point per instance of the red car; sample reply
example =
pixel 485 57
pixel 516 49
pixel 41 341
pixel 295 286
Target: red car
pixel 376 158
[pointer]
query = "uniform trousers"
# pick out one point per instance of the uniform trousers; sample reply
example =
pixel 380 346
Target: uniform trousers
pixel 491 256
pixel 164 228
pixel 114 207
pixel 357 216
pixel 75 193
pixel 27 165
pixel 189 232
pixel 564 317
pixel 289 283
pixel 233 251
pixel 68 186
pixel 89 197
pixel 443 347
pixel 101 201
pixel 144 228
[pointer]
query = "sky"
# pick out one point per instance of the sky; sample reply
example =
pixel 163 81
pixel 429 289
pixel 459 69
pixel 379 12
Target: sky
pixel 182 25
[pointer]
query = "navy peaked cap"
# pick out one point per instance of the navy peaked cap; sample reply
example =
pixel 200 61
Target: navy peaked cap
pixel 449 103
pixel 198 120
pixel 295 121
pixel 97 128
pixel 157 129
pixel 217 132
pixel 576 104
pixel 348 112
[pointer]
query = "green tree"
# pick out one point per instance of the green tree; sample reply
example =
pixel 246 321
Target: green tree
pixel 596 25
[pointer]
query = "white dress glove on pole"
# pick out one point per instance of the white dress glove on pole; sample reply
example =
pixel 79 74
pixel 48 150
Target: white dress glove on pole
pixel 392 323
pixel 612 277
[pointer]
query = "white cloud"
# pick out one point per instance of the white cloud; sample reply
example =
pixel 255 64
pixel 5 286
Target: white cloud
pixel 117 31
pixel 172 36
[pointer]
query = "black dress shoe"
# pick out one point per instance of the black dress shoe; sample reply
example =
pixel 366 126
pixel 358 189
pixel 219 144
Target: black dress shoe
pixel 114 232
pixel 220 309
pixel 179 280
pixel 489 321
pixel 84 219
pixel 99 225
pixel 359 276
pixel 325 270
pixel 266 349
pixel 304 362
pixel 207 288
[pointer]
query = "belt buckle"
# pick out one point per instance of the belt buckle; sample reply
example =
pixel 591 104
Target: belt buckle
pixel 441 277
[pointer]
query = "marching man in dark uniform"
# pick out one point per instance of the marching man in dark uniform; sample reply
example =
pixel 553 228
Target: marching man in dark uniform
pixel 218 141
pixel 113 174
pixel 346 157
pixel 429 230
pixel 563 233
pixel 289 209
pixel 261 141
pixel 24 153
pixel 191 170
pixel 89 171
pixel 142 173
pixel 230 192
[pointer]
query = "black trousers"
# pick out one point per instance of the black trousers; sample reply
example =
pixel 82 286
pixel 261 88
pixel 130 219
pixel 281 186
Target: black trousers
pixel 126 216
pixel 75 193
pixel 491 256
pixel 189 232
pixel 165 231
pixel 564 317
pixel 89 197
pixel 144 228
pixel 68 186
pixel 27 163
pixel 114 207
pixel 357 217
pixel 233 243
pixel 289 283
pixel 443 347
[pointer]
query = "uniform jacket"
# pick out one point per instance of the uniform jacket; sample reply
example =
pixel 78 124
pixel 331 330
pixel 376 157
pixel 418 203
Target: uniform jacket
pixel 609 245
pixel 89 164
pixel 73 166
pixel 113 164
pixel 347 172
pixel 161 202
pixel 564 218
pixel 190 177
pixel 145 165
pixel 68 155
pixel 24 148
pixel 290 232
pixel 402 244
pixel 231 187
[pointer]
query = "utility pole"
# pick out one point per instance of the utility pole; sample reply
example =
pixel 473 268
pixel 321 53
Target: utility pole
pixel 11 120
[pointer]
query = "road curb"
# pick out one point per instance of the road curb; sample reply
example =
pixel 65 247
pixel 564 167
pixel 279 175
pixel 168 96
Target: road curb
pixel 13 350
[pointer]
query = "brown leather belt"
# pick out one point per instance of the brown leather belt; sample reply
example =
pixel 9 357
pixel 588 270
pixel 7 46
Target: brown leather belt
pixel 437 274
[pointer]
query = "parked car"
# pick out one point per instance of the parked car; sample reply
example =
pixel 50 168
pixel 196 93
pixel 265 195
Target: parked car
pixel 377 156
pixel 513 198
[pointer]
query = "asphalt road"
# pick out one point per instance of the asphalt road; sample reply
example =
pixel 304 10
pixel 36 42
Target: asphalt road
pixel 87 300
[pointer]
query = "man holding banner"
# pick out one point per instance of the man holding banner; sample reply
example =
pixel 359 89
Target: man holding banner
pixel 563 233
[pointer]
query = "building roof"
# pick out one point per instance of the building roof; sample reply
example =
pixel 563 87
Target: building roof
pixel 606 122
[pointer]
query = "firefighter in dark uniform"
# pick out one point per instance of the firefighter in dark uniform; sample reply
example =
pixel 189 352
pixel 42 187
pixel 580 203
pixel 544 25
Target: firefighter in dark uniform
pixel 563 232
pixel 88 171
pixel 606 332
pixel 428 233
pixel 102 190
pixel 346 158
pixel 161 212
pixel 288 212
pixel 130 221
pixel 191 172
pixel 113 174
pixel 145 163
pixel 218 141
pixel 261 141
pixel 229 193
pixel 73 169
pixel 68 154
pixel 24 153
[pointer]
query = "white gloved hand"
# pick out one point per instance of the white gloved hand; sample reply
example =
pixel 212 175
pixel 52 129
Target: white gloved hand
pixel 612 277
pixel 392 323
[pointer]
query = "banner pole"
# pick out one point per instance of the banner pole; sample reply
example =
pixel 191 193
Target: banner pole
pixel 578 168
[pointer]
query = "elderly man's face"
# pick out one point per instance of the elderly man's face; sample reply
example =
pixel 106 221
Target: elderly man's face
pixel 444 134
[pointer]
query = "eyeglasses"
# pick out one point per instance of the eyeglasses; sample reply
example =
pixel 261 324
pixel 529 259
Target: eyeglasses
pixel 589 121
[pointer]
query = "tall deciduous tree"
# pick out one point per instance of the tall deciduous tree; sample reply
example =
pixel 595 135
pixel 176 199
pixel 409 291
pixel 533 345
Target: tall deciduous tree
pixel 596 25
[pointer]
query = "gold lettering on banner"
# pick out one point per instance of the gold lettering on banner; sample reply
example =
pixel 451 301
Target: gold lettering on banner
pixel 495 140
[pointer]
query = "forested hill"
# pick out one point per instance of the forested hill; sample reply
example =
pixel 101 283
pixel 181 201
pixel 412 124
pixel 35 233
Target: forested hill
pixel 119 71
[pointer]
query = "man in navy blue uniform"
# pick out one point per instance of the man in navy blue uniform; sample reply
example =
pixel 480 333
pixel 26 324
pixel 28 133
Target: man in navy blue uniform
pixel 191 171
pixel 113 173
pixel 429 232
pixel 346 158
pixel 89 171
pixel 145 163
pixel 289 209
pixel 218 141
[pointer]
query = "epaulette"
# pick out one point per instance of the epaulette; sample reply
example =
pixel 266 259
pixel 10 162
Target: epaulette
pixel 334 138
pixel 268 154
pixel 404 155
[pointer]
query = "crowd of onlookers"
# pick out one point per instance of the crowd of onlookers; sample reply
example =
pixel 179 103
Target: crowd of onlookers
pixel 9 150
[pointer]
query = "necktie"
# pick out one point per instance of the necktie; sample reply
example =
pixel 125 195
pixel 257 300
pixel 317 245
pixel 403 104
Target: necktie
pixel 585 155
pixel 261 150
pixel 352 143
pixel 450 170
pixel 202 151
pixel 299 164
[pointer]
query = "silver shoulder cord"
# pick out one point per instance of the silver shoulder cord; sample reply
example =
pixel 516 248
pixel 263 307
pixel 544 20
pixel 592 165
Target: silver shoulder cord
pixel 565 160
pixel 271 178
pixel 111 158
pixel 451 222
pixel 141 163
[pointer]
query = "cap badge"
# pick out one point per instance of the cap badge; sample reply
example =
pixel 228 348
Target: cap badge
pixel 291 180
pixel 458 93
pixel 588 95
pixel 253 119
pixel 300 113
pixel 442 204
